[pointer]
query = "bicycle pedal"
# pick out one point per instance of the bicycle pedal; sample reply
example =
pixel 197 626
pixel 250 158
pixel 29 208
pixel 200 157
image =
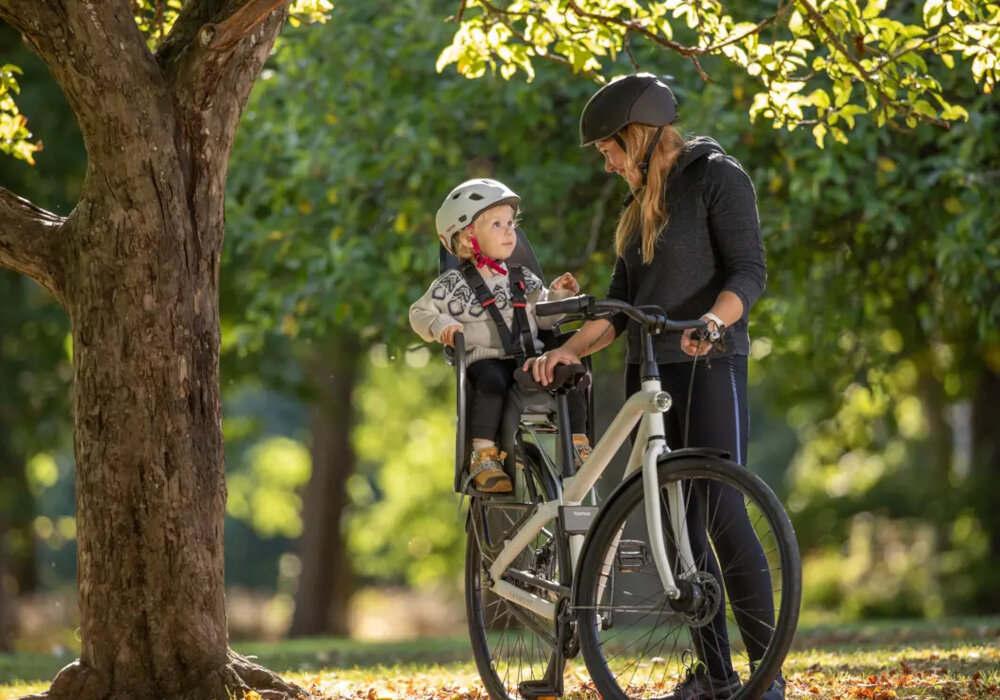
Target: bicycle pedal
pixel 633 556
pixel 537 690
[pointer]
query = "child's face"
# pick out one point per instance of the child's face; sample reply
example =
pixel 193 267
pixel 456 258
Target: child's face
pixel 494 229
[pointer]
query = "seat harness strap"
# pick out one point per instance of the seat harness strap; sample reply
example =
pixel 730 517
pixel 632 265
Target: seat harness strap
pixel 517 341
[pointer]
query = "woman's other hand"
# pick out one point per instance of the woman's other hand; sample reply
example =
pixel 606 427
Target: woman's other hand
pixel 566 281
pixel 543 367
pixel 448 334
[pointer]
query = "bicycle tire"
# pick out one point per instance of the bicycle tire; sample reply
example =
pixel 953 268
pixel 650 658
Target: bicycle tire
pixel 613 657
pixel 506 649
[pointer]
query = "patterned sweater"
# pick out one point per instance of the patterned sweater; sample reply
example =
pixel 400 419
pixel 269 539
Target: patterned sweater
pixel 450 301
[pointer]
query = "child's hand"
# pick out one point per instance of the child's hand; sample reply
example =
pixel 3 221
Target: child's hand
pixel 448 334
pixel 566 281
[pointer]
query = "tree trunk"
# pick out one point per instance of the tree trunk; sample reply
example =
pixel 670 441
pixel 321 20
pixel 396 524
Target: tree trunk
pixel 326 582
pixel 986 475
pixel 136 266
pixel 8 603
pixel 16 510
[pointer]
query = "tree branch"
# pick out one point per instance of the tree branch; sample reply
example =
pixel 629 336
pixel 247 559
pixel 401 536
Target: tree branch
pixel 206 41
pixel 100 60
pixel 210 66
pixel 30 241
pixel 754 30
pixel 866 76
pixel 524 40
pixel 239 20
pixel 637 27
pixel 817 18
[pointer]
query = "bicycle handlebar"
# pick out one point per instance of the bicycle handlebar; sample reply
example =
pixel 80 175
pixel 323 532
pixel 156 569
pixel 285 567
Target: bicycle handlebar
pixel 589 308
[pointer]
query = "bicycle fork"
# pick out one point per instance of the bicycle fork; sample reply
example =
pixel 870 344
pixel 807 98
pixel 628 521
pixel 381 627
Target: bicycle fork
pixel 656 446
pixel 650 444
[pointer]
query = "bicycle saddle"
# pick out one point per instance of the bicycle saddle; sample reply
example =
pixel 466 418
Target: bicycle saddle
pixel 566 377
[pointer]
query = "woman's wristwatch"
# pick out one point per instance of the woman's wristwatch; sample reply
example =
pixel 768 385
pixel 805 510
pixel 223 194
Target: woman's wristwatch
pixel 719 325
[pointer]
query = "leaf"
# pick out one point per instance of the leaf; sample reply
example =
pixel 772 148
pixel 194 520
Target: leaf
pixel 819 132
pixel 924 108
pixel 954 113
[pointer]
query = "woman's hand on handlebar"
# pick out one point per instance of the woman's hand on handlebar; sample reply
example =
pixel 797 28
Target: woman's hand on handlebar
pixel 692 347
pixel 543 367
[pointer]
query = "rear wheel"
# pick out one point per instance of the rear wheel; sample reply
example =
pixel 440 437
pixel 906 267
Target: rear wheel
pixel 511 644
pixel 740 600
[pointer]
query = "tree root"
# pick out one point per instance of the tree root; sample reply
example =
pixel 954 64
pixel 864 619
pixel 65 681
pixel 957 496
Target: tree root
pixel 234 680
pixel 268 684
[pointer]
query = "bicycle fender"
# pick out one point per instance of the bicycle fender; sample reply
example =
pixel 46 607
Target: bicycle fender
pixel 672 456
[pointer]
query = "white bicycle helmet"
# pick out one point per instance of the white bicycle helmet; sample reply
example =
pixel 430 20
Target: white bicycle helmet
pixel 467 201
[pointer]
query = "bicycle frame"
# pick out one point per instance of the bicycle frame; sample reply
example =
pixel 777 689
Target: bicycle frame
pixel 645 407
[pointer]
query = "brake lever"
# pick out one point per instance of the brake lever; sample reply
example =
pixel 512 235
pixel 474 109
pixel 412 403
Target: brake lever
pixel 714 338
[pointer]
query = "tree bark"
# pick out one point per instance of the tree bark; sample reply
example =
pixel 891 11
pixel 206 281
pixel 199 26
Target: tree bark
pixel 326 581
pixel 986 475
pixel 136 265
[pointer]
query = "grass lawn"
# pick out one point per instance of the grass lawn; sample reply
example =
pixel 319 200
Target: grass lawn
pixel 905 660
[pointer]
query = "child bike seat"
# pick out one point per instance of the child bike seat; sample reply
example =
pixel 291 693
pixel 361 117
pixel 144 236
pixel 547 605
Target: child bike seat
pixel 566 377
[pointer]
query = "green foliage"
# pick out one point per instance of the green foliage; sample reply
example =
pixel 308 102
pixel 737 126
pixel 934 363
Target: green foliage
pixel 154 18
pixel 349 143
pixel 404 524
pixel 817 64
pixel 15 139
pixel 266 493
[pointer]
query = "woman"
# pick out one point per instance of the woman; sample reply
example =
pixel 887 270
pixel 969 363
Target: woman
pixel 688 241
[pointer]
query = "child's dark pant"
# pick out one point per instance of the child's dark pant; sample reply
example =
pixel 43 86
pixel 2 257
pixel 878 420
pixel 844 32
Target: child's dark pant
pixel 489 381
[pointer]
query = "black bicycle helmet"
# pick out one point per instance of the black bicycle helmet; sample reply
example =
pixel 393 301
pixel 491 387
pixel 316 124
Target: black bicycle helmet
pixel 634 99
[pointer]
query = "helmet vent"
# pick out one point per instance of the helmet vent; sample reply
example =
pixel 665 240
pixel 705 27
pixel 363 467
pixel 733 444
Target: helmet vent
pixel 475 196
pixel 456 195
pixel 462 218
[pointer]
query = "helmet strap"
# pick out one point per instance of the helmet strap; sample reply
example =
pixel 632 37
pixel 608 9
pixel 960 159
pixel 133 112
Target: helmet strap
pixel 644 165
pixel 485 260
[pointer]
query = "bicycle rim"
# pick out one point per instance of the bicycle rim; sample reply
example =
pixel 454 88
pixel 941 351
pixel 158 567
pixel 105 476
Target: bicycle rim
pixel 509 643
pixel 639 644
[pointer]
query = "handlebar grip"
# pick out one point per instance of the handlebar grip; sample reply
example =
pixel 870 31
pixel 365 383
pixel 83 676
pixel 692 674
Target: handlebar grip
pixel 571 305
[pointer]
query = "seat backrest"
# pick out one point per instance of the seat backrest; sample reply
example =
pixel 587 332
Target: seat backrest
pixel 523 255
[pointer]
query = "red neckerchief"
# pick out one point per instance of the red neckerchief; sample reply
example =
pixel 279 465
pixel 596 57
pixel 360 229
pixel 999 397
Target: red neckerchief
pixel 485 261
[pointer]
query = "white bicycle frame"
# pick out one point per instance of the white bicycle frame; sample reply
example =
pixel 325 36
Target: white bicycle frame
pixel 646 407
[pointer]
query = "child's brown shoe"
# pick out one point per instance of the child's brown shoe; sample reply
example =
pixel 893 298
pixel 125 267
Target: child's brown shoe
pixel 487 471
pixel 581 450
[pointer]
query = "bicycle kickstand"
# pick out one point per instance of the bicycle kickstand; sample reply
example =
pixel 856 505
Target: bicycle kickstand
pixel 551 684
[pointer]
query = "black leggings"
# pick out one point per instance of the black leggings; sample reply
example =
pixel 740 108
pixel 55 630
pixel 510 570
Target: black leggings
pixel 720 419
pixel 489 382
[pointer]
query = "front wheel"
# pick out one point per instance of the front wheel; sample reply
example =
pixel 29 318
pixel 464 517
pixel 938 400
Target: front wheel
pixel 739 603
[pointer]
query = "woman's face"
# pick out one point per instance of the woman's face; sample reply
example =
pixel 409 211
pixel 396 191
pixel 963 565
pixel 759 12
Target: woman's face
pixel 494 230
pixel 615 162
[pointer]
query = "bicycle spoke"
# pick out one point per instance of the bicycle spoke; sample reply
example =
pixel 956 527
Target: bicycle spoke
pixel 647 645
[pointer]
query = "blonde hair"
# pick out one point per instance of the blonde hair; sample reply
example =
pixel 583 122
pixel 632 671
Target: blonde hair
pixel 647 213
pixel 461 240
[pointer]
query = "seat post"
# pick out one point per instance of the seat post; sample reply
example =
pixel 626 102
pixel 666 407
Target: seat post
pixel 565 435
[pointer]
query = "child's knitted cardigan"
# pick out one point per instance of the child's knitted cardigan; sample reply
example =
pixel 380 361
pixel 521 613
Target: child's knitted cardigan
pixel 450 301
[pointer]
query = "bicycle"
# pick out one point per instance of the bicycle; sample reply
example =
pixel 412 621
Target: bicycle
pixel 548 577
